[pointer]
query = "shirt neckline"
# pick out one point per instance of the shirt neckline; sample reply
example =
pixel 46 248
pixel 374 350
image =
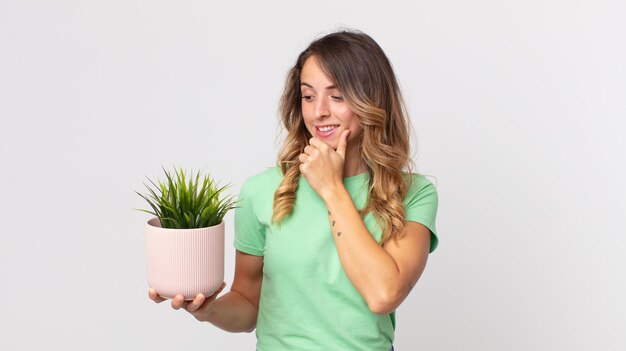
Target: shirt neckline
pixel 356 179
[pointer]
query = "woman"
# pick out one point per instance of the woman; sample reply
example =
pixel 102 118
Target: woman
pixel 331 240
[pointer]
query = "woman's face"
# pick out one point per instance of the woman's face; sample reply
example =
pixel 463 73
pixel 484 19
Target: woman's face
pixel 323 106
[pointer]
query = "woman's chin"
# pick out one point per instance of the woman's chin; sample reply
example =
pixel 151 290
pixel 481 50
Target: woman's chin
pixel 332 144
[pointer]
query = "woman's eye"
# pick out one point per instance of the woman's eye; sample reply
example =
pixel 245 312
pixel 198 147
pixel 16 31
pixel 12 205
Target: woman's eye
pixel 307 98
pixel 338 98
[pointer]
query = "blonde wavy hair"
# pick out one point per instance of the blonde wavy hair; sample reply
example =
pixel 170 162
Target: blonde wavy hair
pixel 363 74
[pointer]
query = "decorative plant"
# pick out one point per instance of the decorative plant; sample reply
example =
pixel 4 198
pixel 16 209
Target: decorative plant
pixel 182 205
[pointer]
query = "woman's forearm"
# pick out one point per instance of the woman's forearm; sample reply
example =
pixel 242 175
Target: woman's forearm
pixel 233 313
pixel 371 270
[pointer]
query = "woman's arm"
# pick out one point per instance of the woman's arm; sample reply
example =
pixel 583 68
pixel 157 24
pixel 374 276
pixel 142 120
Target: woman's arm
pixel 237 310
pixel 384 276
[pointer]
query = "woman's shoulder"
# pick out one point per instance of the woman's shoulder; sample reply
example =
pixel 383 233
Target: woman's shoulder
pixel 420 182
pixel 271 175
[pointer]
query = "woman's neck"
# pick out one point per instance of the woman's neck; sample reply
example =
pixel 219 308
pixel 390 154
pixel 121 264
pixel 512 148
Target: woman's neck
pixel 353 164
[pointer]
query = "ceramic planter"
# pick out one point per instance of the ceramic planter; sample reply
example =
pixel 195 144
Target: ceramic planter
pixel 184 261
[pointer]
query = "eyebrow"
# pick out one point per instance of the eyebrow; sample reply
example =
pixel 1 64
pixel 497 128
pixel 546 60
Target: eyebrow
pixel 310 86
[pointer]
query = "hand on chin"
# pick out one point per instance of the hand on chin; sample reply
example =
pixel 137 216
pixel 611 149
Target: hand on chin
pixel 322 162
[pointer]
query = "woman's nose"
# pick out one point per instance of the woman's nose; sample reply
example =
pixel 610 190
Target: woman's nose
pixel 322 108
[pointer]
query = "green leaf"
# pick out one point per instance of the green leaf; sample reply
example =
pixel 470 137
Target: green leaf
pixel 188 202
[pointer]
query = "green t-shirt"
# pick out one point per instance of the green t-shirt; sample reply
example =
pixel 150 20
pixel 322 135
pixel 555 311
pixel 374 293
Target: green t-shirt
pixel 307 301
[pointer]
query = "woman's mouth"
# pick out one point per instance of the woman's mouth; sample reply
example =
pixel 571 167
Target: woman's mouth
pixel 325 131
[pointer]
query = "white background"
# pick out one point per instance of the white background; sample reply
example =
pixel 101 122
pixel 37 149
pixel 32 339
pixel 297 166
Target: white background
pixel 518 109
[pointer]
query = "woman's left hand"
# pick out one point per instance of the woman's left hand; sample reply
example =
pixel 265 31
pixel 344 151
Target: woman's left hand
pixel 322 166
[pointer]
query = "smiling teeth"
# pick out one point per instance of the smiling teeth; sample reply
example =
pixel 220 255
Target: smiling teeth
pixel 326 129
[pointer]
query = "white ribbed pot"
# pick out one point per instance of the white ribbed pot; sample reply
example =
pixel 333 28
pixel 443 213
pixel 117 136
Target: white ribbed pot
pixel 184 261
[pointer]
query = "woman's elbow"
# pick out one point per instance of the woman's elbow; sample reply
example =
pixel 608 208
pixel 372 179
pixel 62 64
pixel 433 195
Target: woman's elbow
pixel 385 304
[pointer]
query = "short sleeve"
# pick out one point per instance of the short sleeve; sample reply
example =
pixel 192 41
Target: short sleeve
pixel 249 232
pixel 421 206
